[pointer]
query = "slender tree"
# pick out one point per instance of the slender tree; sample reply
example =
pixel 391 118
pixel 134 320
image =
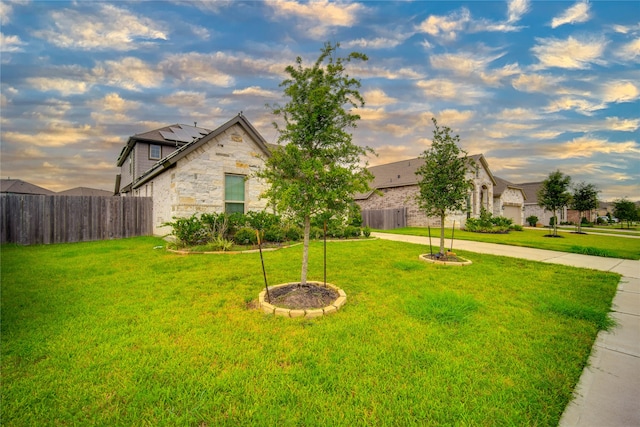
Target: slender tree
pixel 442 178
pixel 317 169
pixel 554 195
pixel 584 199
pixel 625 210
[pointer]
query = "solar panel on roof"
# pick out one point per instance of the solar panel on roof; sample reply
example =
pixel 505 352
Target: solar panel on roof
pixel 171 136
pixel 195 131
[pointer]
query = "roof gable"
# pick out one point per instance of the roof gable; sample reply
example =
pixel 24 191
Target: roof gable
pixel 502 185
pixel 18 186
pixel 531 189
pixel 170 160
pixel 403 173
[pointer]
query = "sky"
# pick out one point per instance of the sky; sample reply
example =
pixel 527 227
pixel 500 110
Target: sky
pixel 535 86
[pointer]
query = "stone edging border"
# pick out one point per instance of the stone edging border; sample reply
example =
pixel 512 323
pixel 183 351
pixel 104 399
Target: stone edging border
pixel 425 257
pixel 307 313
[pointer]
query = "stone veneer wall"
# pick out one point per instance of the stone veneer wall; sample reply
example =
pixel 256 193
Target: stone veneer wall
pixel 405 197
pixel 509 197
pixel 196 183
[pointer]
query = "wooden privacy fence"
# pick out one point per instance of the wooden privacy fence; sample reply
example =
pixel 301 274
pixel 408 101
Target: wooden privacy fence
pixel 384 219
pixel 38 219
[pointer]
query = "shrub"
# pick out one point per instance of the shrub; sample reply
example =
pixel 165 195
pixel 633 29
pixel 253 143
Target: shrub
pixel 217 244
pixel 516 227
pixel 274 233
pixel 261 220
pixel 552 221
pixel 245 236
pixel 366 231
pixel 293 233
pixel 189 231
pixel 217 224
pixel 487 223
pixel 316 233
pixel 532 220
pixel 351 231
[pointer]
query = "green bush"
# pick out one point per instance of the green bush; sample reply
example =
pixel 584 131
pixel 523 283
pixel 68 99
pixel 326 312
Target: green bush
pixel 189 231
pixel 516 227
pixel 351 231
pixel 245 236
pixel 261 220
pixel 552 221
pixel 532 220
pixel 487 223
pixel 316 233
pixel 274 233
pixel 293 233
pixel 366 231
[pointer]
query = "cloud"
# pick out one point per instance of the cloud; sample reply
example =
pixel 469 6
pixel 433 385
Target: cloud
pixel 582 106
pixel 629 51
pixel 586 146
pixel 516 114
pixel 62 85
pixel 537 83
pixel 516 8
pixel 55 134
pixel 318 17
pixel 5 12
pixel 375 114
pixel 10 43
pixel 579 12
pixel 256 91
pixel 622 125
pixel 463 93
pixel 446 27
pixel 377 97
pixel 462 63
pixel 107 28
pixel 128 73
pixel 112 108
pixel 620 91
pixel 571 53
pixel 374 43
pixel 452 117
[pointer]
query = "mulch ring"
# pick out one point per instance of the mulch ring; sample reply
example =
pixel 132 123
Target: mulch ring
pixel 296 296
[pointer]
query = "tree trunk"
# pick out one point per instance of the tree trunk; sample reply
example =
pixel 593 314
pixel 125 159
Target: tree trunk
pixel 305 250
pixel 555 223
pixel 579 222
pixel 442 233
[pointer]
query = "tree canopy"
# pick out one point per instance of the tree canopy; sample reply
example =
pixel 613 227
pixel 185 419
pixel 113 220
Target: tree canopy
pixel 584 199
pixel 318 170
pixel 554 194
pixel 625 210
pixel 442 178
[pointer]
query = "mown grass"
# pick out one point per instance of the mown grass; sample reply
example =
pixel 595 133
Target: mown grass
pixel 119 333
pixel 588 244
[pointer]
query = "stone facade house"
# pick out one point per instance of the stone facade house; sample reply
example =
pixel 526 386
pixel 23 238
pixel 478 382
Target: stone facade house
pixel 531 205
pixel 508 201
pixel 395 185
pixel 188 170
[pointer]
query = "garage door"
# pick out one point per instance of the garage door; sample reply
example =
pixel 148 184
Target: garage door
pixel 514 213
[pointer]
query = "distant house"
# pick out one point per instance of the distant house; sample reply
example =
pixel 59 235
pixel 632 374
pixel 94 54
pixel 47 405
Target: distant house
pixel 508 201
pixel 18 186
pixel 187 170
pixel 85 191
pixel 531 206
pixel 395 185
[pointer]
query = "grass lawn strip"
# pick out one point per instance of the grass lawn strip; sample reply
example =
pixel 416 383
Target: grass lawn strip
pixel 117 333
pixel 586 244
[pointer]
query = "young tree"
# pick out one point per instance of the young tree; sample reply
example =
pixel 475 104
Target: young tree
pixel 442 177
pixel 625 210
pixel 554 195
pixel 318 170
pixel 584 199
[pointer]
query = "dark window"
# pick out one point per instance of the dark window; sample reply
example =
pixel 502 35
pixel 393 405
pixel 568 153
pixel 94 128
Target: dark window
pixel 155 152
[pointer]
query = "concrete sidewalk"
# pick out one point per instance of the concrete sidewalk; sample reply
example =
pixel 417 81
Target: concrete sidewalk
pixel 608 393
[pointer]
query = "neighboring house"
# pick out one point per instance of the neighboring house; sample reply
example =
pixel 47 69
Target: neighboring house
pixel 212 172
pixel 85 191
pixel 18 186
pixel 531 205
pixel 508 201
pixel 395 185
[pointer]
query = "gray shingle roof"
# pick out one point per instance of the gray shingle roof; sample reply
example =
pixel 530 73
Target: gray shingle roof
pixel 18 186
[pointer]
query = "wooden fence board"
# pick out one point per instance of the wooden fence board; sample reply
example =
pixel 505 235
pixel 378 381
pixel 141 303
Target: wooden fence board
pixel 39 219
pixel 385 219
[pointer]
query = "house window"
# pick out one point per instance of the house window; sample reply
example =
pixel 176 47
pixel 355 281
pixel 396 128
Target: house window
pixel 234 193
pixel 154 152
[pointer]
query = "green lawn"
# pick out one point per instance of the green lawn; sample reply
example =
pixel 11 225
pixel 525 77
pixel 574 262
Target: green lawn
pixel 119 333
pixel 588 244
